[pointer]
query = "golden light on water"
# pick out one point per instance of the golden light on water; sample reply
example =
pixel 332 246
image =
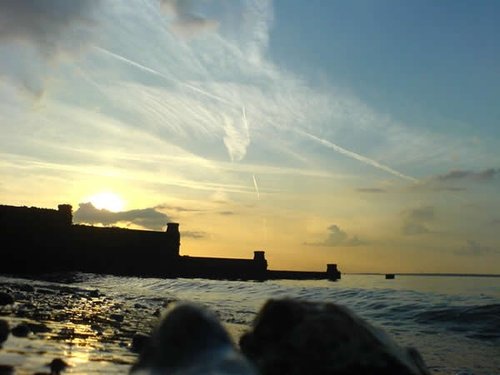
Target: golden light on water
pixel 107 200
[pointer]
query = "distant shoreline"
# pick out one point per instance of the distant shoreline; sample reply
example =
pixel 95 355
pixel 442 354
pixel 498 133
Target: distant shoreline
pixel 427 274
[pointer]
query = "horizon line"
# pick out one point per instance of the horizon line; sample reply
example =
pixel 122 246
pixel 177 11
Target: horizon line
pixel 442 274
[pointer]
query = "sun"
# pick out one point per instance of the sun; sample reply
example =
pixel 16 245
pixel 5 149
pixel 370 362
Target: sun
pixel 107 201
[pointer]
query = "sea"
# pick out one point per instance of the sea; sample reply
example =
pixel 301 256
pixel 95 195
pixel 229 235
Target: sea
pixel 453 321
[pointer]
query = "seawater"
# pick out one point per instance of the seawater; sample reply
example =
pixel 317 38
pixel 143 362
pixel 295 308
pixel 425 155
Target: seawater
pixel 453 321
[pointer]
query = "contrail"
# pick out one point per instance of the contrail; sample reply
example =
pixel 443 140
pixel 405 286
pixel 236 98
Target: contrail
pixel 256 187
pixel 159 74
pixel 356 156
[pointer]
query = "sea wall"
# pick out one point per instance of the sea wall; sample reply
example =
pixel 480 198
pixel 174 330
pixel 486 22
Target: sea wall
pixel 37 241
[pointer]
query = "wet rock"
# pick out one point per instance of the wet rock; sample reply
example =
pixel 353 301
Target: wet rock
pixel 21 330
pixel 7 370
pixel 94 293
pixel 57 365
pixel 4 330
pixel 6 299
pixel 117 317
pixel 45 291
pixel 189 340
pixel 297 337
pixel 38 328
pixel 26 288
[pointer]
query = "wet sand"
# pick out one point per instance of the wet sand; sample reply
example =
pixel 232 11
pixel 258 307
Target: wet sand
pixel 85 328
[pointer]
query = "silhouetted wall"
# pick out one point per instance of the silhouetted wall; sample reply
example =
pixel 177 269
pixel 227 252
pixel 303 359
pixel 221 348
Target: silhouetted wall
pixel 35 240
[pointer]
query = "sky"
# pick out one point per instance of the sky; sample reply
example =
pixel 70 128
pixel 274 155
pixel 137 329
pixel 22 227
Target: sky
pixel 360 133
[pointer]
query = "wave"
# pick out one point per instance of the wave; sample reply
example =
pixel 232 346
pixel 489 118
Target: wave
pixel 482 322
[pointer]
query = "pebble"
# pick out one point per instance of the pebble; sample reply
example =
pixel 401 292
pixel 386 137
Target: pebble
pixel 117 317
pixel 21 330
pixel 6 299
pixel 4 330
pixel 57 365
pixel 38 328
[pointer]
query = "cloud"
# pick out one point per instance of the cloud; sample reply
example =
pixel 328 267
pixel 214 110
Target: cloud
pixel 194 234
pixel 177 208
pixel 457 175
pixel 148 217
pixel 337 237
pixel 416 220
pixel 52 28
pixel 371 190
pixel 50 25
pixel 185 21
pixel 474 248
pixel 236 137
pixel 448 182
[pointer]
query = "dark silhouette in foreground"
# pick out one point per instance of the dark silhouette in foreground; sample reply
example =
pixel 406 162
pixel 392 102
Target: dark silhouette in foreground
pixel 191 341
pixel 288 337
pixel 42 241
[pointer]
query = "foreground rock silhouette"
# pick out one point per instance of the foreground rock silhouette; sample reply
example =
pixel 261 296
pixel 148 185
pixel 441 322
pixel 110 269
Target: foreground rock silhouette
pixel 190 341
pixel 288 337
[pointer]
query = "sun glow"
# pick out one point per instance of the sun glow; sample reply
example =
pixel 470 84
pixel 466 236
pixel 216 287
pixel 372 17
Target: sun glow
pixel 107 201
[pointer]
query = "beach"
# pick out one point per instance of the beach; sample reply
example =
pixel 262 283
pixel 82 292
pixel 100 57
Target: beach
pixel 95 323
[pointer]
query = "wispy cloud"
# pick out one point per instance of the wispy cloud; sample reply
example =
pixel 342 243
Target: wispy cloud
pixel 460 175
pixel 186 22
pixel 417 221
pixel 194 234
pixel 371 190
pixel 49 25
pixel 202 113
pixel 475 249
pixel 337 237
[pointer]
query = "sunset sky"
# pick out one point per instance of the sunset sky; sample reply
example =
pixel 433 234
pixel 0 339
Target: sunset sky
pixel 362 133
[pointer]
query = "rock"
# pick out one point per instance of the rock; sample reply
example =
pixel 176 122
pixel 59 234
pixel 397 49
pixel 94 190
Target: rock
pixel 21 330
pixel 94 293
pixel 189 340
pixel 4 330
pixel 6 299
pixel 57 365
pixel 26 288
pixel 297 337
pixel 117 317
pixel 38 328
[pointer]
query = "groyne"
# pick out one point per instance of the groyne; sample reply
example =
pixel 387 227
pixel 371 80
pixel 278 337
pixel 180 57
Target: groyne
pixel 38 240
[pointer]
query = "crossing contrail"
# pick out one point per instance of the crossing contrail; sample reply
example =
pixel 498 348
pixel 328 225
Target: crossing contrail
pixel 256 187
pixel 165 77
pixel 358 157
